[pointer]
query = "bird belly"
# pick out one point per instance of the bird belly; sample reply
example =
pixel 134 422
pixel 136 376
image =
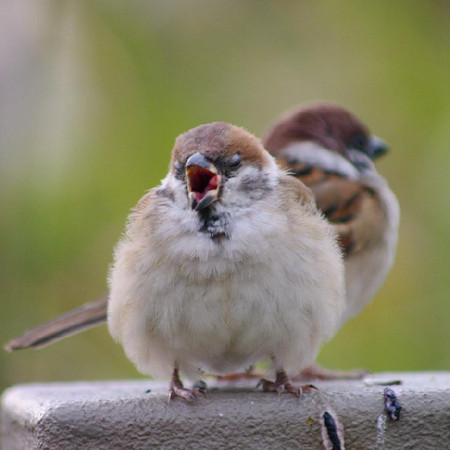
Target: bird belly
pixel 218 317
pixel 223 305
pixel 227 323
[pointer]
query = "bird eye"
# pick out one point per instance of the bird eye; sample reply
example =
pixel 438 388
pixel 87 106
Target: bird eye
pixel 359 142
pixel 179 169
pixel 235 161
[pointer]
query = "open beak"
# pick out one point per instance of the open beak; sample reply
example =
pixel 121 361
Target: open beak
pixel 203 182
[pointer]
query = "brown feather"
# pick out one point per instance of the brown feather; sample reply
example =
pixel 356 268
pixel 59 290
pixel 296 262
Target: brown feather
pixel 73 322
pixel 351 207
pixel 218 139
pixel 327 124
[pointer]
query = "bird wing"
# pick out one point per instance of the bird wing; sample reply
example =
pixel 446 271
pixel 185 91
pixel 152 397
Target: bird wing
pixel 349 205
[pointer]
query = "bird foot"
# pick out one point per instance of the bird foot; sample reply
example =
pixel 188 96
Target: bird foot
pixel 176 389
pixel 283 384
pixel 190 395
pixel 317 372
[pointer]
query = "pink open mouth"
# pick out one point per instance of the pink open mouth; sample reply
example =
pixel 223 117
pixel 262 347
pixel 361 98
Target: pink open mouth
pixel 203 186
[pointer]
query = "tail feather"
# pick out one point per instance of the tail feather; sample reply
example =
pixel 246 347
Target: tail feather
pixel 87 316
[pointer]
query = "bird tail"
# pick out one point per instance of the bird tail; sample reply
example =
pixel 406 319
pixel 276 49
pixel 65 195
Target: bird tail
pixel 87 316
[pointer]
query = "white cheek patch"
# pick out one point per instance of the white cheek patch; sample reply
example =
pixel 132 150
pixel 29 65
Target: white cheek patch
pixel 315 155
pixel 178 188
pixel 249 185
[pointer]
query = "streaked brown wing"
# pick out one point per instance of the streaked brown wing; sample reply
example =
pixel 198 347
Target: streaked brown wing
pixel 348 204
pixel 87 316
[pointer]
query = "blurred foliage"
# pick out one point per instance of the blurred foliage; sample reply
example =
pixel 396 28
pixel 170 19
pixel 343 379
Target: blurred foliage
pixel 93 94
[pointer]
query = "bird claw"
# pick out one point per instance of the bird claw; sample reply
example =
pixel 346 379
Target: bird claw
pixel 190 395
pixel 200 388
pixel 272 386
pixel 283 384
pixel 177 389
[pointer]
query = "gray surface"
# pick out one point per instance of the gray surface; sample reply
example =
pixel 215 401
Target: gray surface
pixel 106 415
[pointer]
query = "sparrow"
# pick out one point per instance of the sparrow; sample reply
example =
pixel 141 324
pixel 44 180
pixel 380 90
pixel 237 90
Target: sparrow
pixel 228 262
pixel 332 152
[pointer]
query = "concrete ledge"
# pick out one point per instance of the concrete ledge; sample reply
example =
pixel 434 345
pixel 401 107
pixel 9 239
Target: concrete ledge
pixel 108 415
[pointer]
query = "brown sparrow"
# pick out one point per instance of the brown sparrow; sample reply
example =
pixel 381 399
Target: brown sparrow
pixel 332 152
pixel 227 263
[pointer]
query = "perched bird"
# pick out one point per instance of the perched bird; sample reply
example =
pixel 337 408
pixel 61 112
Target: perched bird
pixel 227 263
pixel 331 151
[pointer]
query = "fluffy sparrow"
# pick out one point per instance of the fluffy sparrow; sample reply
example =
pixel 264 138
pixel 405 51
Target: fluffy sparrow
pixel 332 152
pixel 227 263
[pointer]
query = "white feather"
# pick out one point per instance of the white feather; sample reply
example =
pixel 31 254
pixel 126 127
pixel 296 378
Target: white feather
pixel 311 153
pixel 273 289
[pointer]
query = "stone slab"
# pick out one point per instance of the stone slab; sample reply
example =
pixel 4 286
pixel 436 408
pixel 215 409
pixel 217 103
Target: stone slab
pixel 121 414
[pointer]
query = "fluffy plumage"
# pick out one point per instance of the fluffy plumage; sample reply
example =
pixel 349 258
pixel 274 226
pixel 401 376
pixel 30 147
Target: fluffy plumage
pixel 323 145
pixel 256 275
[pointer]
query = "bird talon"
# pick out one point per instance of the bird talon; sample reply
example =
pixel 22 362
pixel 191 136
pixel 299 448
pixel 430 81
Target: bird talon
pixel 201 388
pixel 202 392
pixel 267 385
pixel 190 395
pixel 177 389
pixel 260 383
pixel 308 387
pixel 282 385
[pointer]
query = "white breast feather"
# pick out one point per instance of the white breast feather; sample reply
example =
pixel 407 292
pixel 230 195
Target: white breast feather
pixel 176 295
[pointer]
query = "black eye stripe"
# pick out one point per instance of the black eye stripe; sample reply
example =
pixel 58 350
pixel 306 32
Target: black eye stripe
pixel 358 141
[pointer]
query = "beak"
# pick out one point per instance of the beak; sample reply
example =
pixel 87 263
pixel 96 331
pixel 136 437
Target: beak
pixel 203 182
pixel 377 147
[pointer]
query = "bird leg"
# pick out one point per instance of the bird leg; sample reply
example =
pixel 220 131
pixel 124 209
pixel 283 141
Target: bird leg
pixel 282 384
pixel 320 373
pixel 314 371
pixel 249 373
pixel 176 389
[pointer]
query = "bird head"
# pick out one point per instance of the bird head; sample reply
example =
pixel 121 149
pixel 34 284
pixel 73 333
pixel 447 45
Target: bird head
pixel 220 163
pixel 328 126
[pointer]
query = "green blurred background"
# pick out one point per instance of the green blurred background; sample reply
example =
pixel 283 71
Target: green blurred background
pixel 93 94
